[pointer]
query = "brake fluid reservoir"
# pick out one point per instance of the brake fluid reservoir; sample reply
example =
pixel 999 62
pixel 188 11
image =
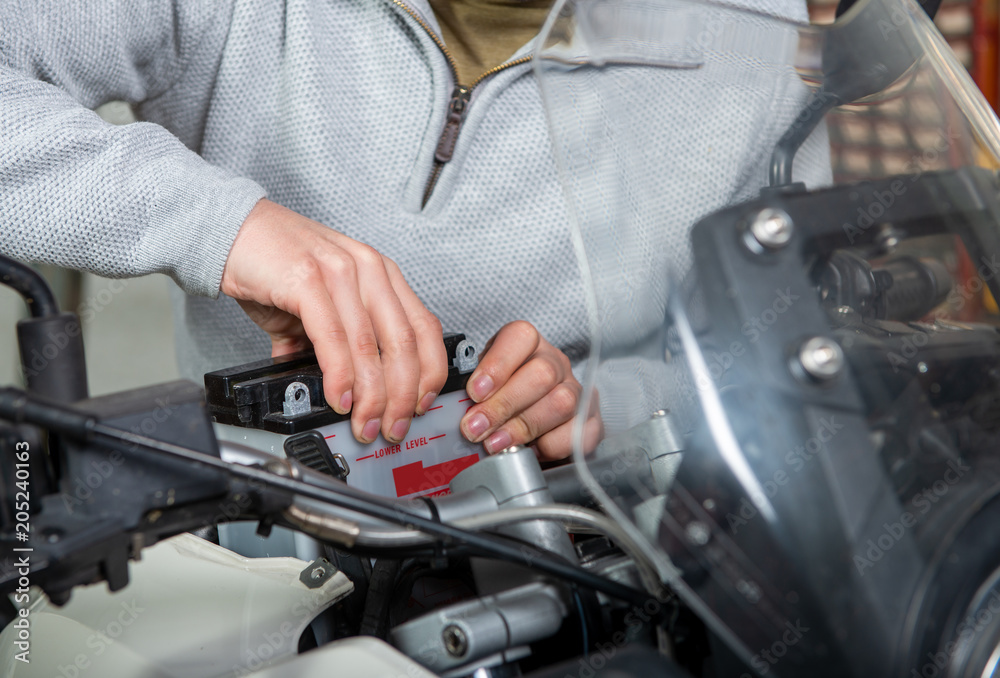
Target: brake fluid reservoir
pixel 277 405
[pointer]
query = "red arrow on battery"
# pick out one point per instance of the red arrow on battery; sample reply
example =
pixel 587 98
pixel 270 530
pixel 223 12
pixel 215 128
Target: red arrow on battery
pixel 415 478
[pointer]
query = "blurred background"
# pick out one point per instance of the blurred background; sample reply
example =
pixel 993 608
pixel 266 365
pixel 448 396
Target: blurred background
pixel 130 340
pixel 881 143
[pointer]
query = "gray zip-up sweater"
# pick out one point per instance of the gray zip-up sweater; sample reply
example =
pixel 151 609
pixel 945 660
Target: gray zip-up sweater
pixel 332 108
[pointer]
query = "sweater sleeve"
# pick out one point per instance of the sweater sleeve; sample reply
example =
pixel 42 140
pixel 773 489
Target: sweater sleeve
pixel 115 200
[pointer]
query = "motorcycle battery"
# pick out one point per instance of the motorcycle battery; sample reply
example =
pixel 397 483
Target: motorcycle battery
pixel 277 405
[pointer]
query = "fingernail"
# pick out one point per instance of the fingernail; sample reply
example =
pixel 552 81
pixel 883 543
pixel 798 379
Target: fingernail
pixel 426 402
pixel 346 401
pixel 476 426
pixel 498 441
pixel 482 386
pixel 399 429
pixel 370 432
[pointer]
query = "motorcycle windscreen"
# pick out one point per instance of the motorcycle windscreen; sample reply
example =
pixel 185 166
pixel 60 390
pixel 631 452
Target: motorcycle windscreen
pixel 789 236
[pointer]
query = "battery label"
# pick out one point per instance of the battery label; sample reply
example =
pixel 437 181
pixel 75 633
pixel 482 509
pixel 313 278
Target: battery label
pixel 422 464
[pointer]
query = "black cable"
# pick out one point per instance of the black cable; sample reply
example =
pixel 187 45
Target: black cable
pixel 18 406
pixel 440 552
pixel 29 284
pixel 380 588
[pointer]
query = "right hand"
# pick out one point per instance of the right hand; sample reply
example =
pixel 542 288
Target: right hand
pixel 379 348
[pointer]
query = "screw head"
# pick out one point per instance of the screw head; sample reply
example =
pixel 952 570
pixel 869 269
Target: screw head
pixel 698 532
pixel 821 358
pixel 455 640
pixel 772 228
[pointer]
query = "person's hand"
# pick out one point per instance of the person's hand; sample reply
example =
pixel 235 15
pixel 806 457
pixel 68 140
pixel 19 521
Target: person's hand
pixel 526 393
pixel 380 350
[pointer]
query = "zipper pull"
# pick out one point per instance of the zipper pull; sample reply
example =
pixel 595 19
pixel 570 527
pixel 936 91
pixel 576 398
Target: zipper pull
pixel 456 111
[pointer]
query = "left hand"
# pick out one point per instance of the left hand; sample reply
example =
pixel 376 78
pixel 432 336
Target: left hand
pixel 526 393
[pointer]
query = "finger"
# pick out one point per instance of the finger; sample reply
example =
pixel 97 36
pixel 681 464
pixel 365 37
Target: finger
pixel 333 352
pixel 508 350
pixel 558 443
pixel 430 347
pixel 537 381
pixel 368 394
pixel 549 412
pixel 397 342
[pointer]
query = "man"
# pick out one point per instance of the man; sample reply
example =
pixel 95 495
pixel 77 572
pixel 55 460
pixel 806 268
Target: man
pixel 388 190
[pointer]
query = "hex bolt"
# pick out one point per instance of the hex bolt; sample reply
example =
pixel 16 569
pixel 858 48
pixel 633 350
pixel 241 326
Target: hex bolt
pixel 771 229
pixel 821 358
pixel 455 640
pixel 318 573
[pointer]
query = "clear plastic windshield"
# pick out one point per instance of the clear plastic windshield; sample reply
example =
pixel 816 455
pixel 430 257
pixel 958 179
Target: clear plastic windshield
pixel 790 238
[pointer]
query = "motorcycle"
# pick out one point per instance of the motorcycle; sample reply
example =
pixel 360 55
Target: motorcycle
pixel 800 394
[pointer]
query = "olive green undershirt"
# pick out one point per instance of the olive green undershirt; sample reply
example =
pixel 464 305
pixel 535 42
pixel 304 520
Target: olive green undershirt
pixel 482 34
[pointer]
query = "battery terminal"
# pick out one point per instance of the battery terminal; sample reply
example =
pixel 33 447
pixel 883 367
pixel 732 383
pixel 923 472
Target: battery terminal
pixel 297 401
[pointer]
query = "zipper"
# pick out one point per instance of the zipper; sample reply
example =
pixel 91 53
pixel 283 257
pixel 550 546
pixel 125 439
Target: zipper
pixel 457 106
pixel 449 136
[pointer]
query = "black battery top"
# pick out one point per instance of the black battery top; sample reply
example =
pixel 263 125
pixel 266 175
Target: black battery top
pixel 285 394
